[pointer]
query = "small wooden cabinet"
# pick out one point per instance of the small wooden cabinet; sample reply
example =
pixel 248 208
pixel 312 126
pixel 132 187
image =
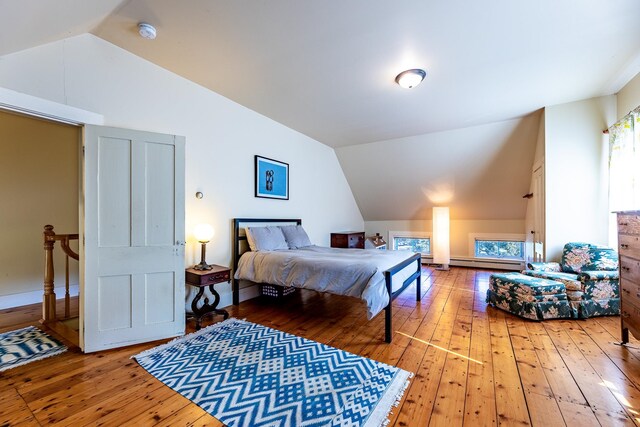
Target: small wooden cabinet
pixel 629 250
pixel 348 239
pixel 202 279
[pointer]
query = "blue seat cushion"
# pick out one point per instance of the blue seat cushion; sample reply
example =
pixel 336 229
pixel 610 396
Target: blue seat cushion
pixel 570 280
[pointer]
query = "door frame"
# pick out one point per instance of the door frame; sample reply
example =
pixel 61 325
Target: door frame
pixel 42 108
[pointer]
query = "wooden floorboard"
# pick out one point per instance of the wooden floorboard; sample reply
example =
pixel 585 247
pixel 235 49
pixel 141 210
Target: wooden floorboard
pixel 473 365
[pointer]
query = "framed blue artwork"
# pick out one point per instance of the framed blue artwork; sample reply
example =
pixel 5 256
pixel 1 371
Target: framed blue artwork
pixel 272 178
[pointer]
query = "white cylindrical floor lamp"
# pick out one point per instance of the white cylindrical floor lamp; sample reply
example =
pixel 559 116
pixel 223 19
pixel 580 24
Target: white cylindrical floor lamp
pixel 441 248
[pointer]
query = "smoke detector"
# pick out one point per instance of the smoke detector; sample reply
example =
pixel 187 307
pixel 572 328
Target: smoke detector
pixel 147 31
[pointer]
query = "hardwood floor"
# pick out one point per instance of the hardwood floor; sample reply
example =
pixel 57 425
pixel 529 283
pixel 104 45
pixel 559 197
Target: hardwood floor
pixel 474 365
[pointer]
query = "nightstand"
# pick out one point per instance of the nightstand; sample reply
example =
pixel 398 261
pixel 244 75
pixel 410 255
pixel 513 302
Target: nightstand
pixel 202 279
pixel 348 239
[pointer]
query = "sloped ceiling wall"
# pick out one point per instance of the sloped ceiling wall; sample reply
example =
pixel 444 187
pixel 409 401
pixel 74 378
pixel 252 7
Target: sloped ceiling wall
pixel 28 23
pixel 480 172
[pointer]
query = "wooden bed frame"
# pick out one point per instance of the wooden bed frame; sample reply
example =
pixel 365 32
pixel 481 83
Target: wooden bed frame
pixel 388 274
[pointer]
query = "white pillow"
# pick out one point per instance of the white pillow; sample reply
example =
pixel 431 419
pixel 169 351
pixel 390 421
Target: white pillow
pixel 295 236
pixel 265 238
pixel 252 245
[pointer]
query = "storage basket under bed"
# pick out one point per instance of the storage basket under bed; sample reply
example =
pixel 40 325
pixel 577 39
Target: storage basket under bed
pixel 275 291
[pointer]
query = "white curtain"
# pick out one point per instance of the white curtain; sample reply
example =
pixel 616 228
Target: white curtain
pixel 624 167
pixel 624 163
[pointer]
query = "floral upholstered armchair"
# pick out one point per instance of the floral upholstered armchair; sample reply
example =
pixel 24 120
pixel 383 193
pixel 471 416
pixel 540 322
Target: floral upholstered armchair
pixel 590 275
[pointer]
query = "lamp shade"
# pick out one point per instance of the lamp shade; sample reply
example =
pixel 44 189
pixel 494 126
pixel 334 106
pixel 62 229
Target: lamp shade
pixel 203 232
pixel 441 250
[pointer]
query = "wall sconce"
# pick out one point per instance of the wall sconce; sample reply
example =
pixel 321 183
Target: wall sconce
pixel 441 246
pixel 204 233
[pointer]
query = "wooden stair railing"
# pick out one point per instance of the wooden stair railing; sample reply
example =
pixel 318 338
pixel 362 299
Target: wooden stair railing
pixel 49 298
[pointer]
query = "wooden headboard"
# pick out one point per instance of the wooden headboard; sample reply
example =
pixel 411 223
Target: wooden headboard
pixel 240 244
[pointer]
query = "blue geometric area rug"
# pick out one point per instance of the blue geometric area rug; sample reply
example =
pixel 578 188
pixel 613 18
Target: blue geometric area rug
pixel 25 346
pixel 246 374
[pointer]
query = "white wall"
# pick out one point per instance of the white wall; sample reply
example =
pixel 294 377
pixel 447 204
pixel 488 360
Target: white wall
pixel 39 186
pixel 222 137
pixel 628 97
pixel 576 174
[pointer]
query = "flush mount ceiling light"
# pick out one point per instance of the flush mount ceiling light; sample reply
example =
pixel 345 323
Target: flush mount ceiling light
pixel 147 31
pixel 411 78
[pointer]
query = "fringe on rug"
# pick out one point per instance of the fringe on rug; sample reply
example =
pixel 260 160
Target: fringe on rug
pixel 392 398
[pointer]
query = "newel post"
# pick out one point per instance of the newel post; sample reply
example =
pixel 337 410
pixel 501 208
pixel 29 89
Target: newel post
pixel 49 297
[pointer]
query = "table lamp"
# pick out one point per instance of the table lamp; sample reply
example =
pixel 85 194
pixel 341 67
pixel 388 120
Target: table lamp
pixel 204 233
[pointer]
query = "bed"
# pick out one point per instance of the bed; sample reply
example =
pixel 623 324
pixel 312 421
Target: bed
pixel 375 276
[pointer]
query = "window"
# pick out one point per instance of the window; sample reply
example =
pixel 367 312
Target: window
pixel 414 241
pixel 505 249
pixel 415 244
pixel 506 246
pixel 624 174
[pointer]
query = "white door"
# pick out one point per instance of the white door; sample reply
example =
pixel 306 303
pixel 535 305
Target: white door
pixel 132 225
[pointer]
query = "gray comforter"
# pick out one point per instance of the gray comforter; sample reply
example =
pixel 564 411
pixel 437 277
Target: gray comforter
pixel 350 272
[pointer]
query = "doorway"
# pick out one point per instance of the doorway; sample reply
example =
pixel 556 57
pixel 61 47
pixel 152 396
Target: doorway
pixel 39 178
pixel 131 249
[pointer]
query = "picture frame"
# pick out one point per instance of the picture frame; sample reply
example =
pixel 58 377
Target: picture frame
pixel 271 178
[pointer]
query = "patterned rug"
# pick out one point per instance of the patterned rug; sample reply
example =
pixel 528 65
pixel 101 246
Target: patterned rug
pixel 246 374
pixel 26 345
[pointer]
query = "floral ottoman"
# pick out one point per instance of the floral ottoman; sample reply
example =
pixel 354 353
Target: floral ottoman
pixel 529 297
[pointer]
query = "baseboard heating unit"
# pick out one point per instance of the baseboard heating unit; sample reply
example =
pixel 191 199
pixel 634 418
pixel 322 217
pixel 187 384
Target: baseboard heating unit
pixel 489 263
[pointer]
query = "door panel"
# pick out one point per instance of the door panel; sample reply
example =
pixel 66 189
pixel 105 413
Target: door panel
pixel 114 209
pixel 159 298
pixel 114 293
pixel 160 193
pixel 132 284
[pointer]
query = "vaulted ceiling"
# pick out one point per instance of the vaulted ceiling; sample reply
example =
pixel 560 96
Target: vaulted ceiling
pixel 464 137
pixel 327 69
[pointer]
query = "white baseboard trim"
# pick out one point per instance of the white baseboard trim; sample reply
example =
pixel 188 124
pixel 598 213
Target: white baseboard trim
pixel 33 297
